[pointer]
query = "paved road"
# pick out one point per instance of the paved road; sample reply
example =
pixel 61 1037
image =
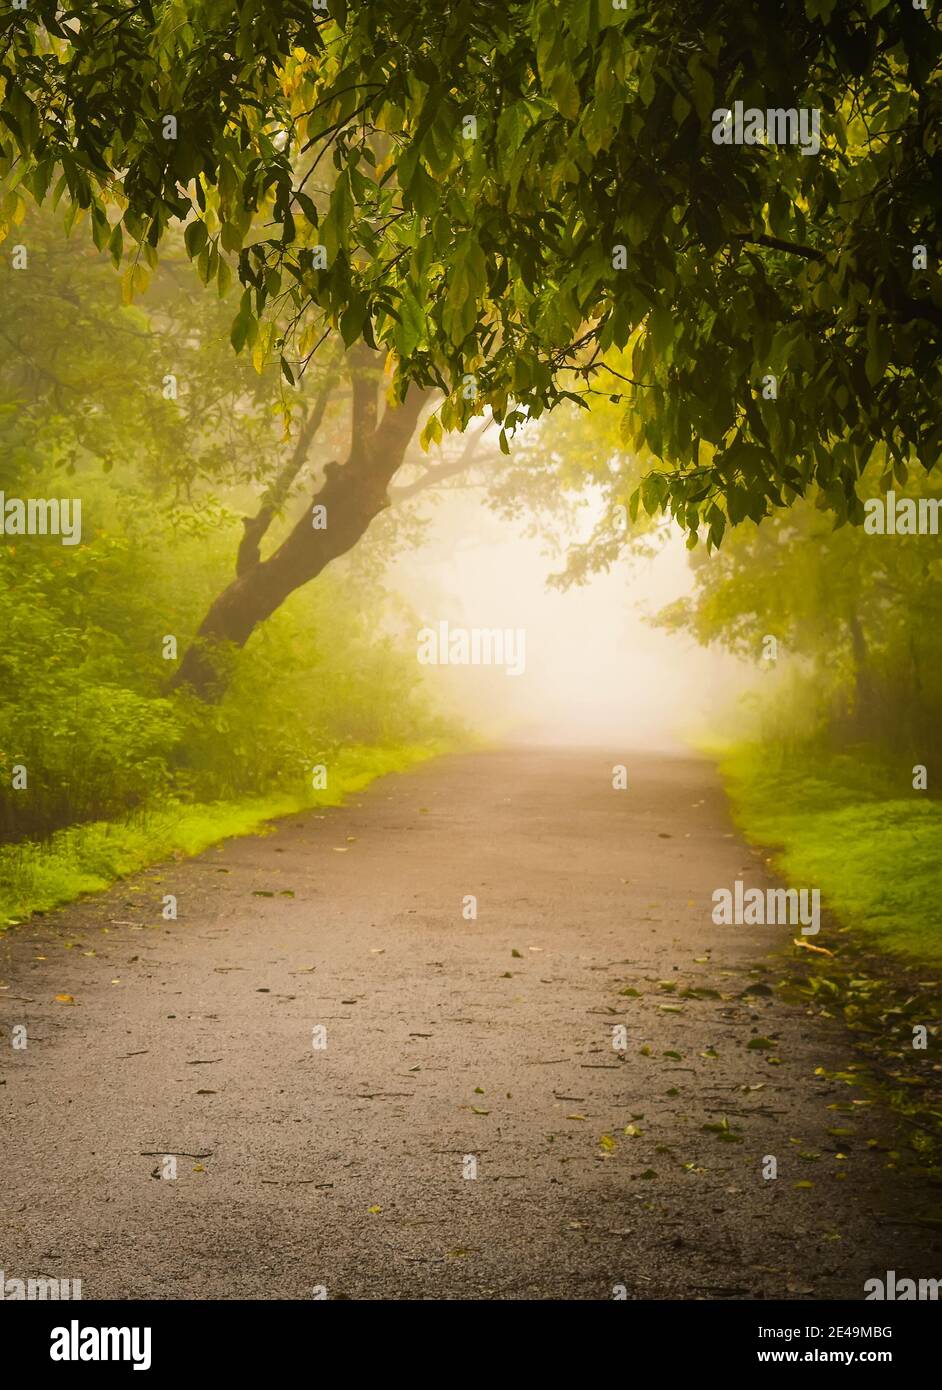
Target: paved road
pixel 452 1046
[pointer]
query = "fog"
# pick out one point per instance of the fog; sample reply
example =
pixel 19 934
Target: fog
pixel 596 672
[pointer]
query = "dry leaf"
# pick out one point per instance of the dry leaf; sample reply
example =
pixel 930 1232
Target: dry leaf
pixel 807 946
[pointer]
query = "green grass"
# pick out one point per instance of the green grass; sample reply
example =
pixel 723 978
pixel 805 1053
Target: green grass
pixel 852 827
pixel 89 858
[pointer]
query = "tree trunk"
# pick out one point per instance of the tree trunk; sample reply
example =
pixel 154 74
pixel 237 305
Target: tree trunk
pixel 351 495
pixel 864 693
pixel 276 494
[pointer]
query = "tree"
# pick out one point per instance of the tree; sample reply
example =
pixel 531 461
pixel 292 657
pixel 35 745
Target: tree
pixel 500 196
pixel 855 616
pixel 346 501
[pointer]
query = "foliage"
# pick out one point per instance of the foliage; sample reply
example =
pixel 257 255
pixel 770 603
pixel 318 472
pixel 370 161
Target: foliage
pixel 567 459
pixel 855 829
pixel 855 616
pixel 487 250
pixel 85 377
pixel 83 702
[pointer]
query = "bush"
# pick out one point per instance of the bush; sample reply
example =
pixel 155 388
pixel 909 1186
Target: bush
pixel 84 705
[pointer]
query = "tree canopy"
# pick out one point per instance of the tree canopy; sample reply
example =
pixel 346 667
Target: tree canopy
pixel 501 195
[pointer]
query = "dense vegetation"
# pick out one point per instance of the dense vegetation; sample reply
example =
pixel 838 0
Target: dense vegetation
pixel 840 777
pixel 854 616
pixel 92 729
pixel 500 195
pixel 338 228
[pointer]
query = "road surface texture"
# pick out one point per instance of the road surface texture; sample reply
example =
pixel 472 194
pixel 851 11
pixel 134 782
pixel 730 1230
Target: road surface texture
pixel 469 1131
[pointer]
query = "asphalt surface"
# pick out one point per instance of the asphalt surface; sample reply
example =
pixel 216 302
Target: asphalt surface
pixel 469 1130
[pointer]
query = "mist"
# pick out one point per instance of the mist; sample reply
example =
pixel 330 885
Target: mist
pixel 597 671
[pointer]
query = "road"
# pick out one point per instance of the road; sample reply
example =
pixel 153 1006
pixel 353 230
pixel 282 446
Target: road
pixel 469 1130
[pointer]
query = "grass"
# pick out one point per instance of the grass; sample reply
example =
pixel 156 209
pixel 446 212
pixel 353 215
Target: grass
pixel 853 827
pixel 89 858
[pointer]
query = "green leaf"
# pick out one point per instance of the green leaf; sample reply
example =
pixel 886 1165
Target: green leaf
pixel 195 238
pixel 410 330
pixel 134 281
pixel 242 327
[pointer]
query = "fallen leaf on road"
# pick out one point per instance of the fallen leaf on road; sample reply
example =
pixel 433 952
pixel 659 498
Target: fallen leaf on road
pixel 64 999
pixel 721 1128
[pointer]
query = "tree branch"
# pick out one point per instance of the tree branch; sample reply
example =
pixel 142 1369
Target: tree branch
pixel 433 476
pixel 255 527
pixel 808 253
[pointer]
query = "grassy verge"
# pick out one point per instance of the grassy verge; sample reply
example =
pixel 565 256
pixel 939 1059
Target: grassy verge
pixel 88 858
pixel 854 828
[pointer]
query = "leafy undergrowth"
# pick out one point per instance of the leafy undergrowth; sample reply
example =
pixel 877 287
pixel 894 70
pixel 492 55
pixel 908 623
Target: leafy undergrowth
pixel 89 858
pixel 854 828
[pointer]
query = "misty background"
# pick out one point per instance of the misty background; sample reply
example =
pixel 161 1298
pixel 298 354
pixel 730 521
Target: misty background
pixel 597 672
